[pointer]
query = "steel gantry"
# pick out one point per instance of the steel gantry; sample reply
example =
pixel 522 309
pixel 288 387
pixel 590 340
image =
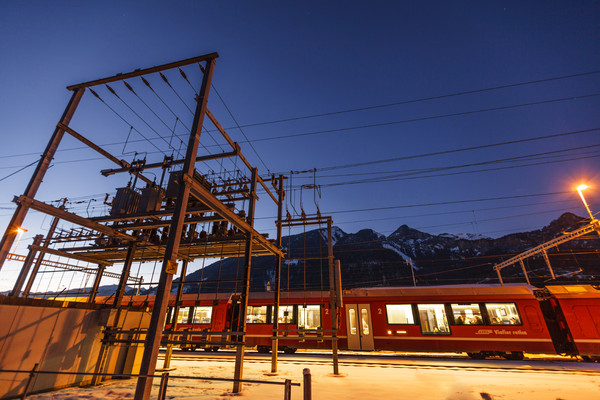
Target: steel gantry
pixel 160 222
pixel 593 226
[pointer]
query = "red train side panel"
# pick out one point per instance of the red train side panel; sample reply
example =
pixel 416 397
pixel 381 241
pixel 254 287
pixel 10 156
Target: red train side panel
pixel 580 305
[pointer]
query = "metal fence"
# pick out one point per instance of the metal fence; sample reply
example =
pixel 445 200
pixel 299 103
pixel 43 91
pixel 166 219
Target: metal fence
pixel 164 379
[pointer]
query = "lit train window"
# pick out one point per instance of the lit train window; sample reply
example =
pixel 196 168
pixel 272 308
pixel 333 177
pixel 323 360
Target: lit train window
pixel 256 315
pixel 399 314
pixel 503 313
pixel 433 319
pixel 183 315
pixel 202 315
pixel 467 314
pixel 310 317
pixel 352 319
pixel 286 314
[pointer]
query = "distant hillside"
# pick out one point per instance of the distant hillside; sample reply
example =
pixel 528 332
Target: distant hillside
pixel 372 259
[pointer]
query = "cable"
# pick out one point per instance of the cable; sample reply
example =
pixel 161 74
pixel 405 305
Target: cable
pixel 423 99
pixel 390 179
pixel 409 157
pixel 428 118
pixel 448 202
pixel 124 120
pixel 19 170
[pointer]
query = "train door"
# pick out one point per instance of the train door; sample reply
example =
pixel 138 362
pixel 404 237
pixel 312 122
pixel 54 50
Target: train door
pixel 359 327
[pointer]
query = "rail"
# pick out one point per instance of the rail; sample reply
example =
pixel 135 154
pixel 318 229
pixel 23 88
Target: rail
pixel 164 378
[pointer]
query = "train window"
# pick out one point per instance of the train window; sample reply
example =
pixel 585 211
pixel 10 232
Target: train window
pixel 183 315
pixel 503 314
pixel 399 314
pixel 256 315
pixel 309 316
pixel 286 314
pixel 467 314
pixel 202 315
pixel 364 321
pixel 352 320
pixel 433 319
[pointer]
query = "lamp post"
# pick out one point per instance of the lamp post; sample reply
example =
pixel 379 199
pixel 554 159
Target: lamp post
pixel 580 189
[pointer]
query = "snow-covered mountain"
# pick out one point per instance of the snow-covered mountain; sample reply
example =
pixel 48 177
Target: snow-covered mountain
pixel 369 258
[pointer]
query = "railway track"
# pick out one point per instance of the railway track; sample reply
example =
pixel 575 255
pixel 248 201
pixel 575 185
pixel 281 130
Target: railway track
pixel 564 366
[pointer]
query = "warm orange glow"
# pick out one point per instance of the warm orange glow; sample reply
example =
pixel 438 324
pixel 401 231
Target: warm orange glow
pixel 581 187
pixel 21 230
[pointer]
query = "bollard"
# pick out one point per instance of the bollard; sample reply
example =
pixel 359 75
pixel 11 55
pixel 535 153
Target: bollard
pixel 162 389
pixel 307 384
pixel 287 390
pixel 32 374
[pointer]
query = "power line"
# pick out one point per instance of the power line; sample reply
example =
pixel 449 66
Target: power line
pixel 437 153
pixel 428 118
pixel 423 99
pixel 447 202
pixel 403 177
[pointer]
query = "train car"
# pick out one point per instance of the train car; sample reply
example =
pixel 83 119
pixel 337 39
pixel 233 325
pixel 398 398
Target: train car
pixel 579 307
pixel 481 320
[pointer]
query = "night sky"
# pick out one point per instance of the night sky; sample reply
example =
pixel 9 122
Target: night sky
pixel 364 92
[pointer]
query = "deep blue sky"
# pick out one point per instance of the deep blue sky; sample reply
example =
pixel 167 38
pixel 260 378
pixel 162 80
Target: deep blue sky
pixel 281 60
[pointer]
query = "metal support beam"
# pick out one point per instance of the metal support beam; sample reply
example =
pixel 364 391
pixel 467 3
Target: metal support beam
pixel 169 352
pixel 124 275
pixel 146 71
pixel 332 298
pixel 65 254
pixel 26 266
pixel 96 285
pixel 236 146
pixel 70 217
pixel 275 340
pixel 107 172
pixel 545 255
pixel 157 320
pixel 524 271
pixel 38 262
pixel 215 204
pixel 105 153
pixel 40 171
pixel 239 355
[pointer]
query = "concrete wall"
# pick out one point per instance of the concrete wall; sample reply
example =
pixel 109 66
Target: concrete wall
pixel 60 338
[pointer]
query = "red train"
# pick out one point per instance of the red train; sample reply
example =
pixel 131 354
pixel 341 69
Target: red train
pixel 484 320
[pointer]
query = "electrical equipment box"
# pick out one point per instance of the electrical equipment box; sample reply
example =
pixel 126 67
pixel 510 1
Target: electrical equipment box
pixel 151 200
pixel 125 202
pixel 176 178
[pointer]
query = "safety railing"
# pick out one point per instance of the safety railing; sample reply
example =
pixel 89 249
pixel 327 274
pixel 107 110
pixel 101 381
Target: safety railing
pixel 164 379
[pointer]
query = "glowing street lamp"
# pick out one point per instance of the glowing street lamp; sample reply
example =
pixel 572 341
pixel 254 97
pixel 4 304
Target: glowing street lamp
pixel 580 189
pixel 20 232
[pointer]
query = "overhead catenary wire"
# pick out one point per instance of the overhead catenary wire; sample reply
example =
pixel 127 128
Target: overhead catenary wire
pixel 422 99
pixel 124 120
pixel 419 119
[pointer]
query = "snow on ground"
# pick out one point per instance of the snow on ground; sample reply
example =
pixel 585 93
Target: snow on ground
pixel 382 379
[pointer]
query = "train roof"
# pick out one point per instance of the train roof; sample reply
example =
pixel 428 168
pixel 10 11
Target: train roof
pixel 563 291
pixel 447 290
